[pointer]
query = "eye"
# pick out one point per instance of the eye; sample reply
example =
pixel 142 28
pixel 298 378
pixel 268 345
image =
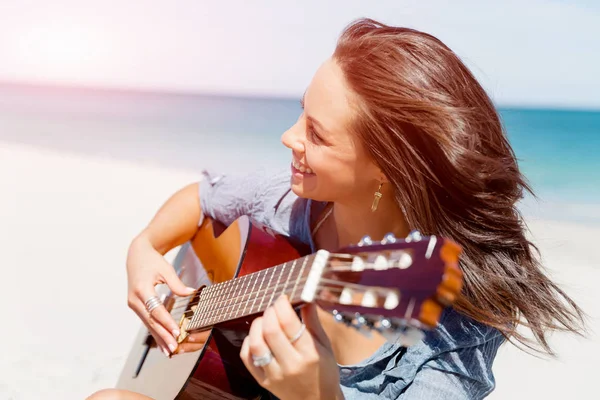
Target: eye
pixel 312 135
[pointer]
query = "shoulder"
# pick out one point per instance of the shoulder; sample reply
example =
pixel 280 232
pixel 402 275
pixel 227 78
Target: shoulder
pixel 263 194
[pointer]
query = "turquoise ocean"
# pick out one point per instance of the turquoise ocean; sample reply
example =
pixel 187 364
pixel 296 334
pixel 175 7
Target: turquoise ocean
pixel 558 150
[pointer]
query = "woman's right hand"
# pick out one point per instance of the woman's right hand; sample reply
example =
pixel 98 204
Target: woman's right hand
pixel 146 268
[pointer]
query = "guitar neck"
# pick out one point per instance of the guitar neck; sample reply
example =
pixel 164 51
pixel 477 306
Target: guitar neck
pixel 252 293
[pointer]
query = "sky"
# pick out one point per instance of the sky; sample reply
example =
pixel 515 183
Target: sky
pixel 535 52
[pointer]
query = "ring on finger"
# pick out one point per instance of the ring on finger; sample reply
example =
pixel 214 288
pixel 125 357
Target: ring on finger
pixel 152 303
pixel 262 361
pixel 298 334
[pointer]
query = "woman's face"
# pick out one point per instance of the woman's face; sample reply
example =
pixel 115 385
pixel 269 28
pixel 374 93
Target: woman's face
pixel 328 162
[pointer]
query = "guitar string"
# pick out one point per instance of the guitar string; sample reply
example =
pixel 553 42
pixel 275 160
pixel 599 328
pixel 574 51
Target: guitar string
pixel 218 318
pixel 329 284
pixel 225 296
pixel 319 296
pixel 216 312
pixel 181 299
pixel 236 300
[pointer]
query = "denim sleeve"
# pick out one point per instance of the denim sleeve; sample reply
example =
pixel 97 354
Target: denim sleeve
pixel 453 361
pixel 463 374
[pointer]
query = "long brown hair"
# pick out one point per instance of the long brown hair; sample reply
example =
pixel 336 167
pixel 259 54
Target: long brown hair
pixel 436 135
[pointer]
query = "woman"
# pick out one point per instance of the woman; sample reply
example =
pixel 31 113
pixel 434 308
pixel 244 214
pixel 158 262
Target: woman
pixel 396 135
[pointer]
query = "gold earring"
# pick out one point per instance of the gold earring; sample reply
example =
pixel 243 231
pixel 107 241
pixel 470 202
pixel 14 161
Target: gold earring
pixel 377 198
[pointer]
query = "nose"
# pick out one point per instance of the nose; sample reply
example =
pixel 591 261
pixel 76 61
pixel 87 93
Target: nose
pixel 294 137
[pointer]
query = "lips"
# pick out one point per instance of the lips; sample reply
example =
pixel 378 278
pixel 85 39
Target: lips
pixel 301 167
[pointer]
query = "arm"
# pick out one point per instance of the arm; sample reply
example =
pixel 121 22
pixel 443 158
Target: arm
pixel 222 197
pixel 175 222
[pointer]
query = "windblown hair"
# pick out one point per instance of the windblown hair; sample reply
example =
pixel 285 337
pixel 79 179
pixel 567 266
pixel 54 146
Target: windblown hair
pixel 437 137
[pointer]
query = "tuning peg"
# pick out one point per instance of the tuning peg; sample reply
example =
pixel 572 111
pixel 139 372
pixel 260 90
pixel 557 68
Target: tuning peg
pixel 366 240
pixel 346 296
pixel 362 325
pixel 402 258
pixel 391 300
pixel 414 236
pixel 388 238
pixel 340 317
pixel 380 262
pixel 369 299
pixel 384 324
pixel 360 321
pixel 358 264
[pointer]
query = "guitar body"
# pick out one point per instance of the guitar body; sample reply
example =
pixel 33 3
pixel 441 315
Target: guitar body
pixel 396 287
pixel 215 371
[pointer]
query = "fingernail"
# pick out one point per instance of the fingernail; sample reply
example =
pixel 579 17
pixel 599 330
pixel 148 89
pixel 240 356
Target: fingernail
pixel 190 290
pixel 172 347
pixel 166 352
pixel 175 332
pixel 190 338
pixel 181 351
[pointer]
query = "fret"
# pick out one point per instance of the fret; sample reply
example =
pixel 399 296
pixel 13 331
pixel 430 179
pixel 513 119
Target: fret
pixel 209 308
pixel 240 297
pixel 237 285
pixel 298 279
pixel 217 303
pixel 195 315
pixel 202 312
pixel 247 301
pixel 287 280
pixel 261 282
pixel 226 299
pixel 276 284
pixel 266 290
pixel 243 295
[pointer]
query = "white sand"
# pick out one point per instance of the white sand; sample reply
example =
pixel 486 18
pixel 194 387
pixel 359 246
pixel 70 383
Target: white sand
pixel 66 222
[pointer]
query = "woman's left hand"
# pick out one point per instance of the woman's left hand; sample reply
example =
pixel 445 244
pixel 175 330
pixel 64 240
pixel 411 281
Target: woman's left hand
pixel 304 369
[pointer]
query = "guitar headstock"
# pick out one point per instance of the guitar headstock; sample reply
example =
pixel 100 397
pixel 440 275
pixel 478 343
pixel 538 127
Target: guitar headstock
pixel 398 287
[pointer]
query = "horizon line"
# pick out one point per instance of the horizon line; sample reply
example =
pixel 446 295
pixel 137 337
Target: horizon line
pixel 138 90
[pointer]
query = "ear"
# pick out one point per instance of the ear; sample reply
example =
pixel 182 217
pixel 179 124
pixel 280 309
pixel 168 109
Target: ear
pixel 381 178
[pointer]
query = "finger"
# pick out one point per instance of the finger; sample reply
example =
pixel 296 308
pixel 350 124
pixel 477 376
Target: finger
pixel 257 372
pixel 313 324
pixel 159 341
pixel 258 347
pixel 279 343
pixel 175 284
pixel 288 319
pixel 160 313
pixel 161 321
pixel 194 342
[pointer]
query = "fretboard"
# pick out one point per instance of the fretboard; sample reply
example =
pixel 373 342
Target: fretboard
pixel 250 294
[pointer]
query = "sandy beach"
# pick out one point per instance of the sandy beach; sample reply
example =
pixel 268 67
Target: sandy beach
pixel 66 222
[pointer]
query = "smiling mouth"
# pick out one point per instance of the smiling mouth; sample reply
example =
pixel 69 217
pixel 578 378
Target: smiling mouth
pixel 301 168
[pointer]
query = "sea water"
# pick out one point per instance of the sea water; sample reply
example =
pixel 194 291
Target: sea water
pixel 558 150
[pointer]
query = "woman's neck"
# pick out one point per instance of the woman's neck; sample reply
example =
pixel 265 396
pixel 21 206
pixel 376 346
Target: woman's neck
pixel 348 223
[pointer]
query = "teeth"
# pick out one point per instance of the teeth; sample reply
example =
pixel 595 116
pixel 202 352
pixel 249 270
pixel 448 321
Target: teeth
pixel 301 168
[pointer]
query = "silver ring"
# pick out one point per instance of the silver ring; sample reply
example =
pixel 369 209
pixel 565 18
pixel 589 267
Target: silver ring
pixel 297 335
pixel 262 361
pixel 152 303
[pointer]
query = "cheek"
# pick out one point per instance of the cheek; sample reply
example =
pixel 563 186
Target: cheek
pixel 334 167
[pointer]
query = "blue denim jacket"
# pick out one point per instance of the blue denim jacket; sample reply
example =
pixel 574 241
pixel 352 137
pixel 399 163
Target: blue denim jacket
pixel 452 362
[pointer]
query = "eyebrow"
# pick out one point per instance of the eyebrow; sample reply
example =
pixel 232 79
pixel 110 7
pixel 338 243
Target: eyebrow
pixel 312 120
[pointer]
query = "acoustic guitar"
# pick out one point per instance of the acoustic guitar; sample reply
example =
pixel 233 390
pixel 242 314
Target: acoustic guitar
pixel 395 287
